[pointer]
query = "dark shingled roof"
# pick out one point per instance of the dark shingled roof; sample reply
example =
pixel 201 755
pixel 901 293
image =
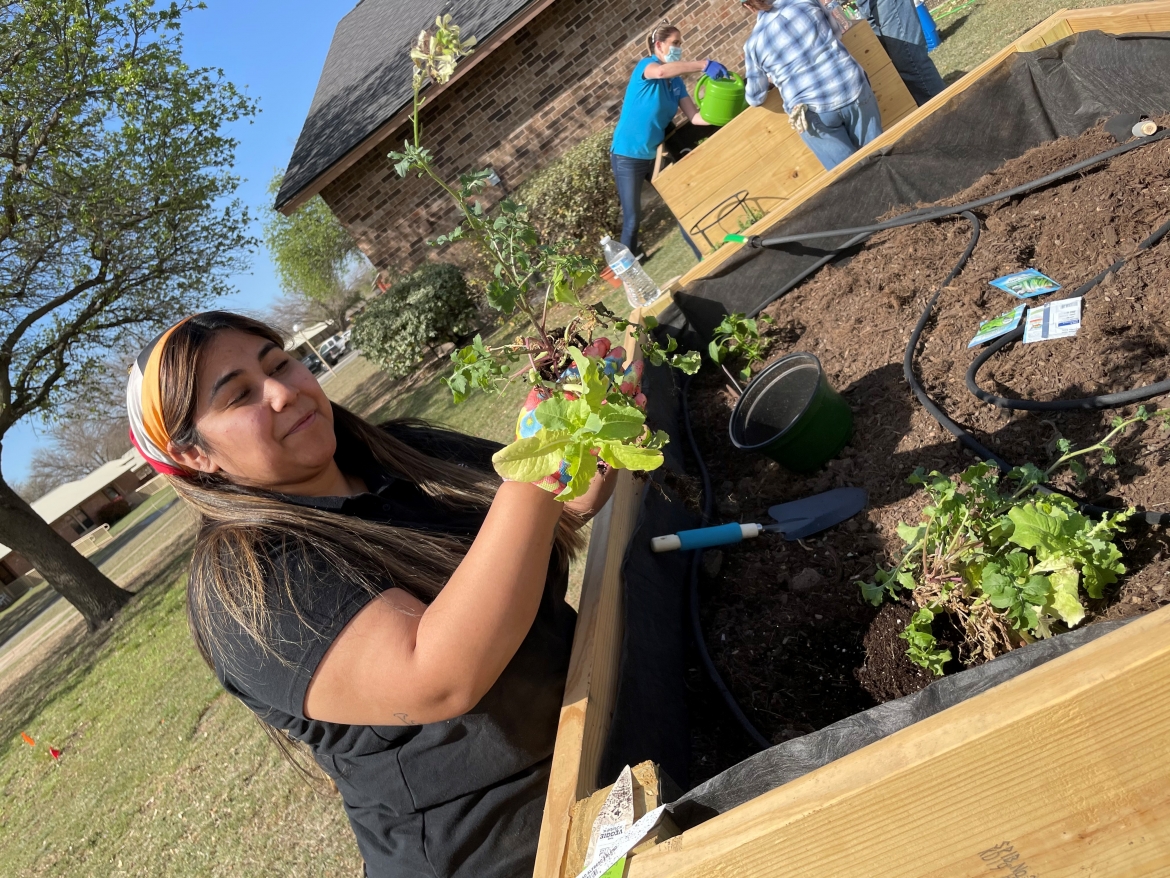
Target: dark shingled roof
pixel 367 73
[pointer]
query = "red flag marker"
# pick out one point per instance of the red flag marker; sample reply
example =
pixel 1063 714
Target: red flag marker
pixel 28 740
pixel 55 753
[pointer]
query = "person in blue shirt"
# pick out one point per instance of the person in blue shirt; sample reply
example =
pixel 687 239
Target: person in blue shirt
pixel 654 95
pixel 825 91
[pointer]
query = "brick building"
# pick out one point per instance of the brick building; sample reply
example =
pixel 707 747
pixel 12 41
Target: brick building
pixel 74 509
pixel 545 75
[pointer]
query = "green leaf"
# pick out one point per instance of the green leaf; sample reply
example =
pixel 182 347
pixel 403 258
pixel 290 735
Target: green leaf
pixel 911 535
pixel 649 322
pixel 631 457
pixel 872 592
pixel 716 352
pixel 1065 602
pixel 531 459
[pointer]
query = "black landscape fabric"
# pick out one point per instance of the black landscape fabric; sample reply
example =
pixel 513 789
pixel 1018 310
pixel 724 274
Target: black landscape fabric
pixel 1061 90
pixel 1058 91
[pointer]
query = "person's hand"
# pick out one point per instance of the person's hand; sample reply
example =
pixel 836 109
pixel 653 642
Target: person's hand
pixel 715 70
pixel 627 379
pixel 600 490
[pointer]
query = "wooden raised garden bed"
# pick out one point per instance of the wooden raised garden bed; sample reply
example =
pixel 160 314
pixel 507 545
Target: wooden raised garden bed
pixel 1062 770
pixel 760 156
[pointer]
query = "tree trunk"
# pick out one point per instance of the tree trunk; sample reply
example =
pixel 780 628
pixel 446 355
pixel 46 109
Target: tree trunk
pixel 71 575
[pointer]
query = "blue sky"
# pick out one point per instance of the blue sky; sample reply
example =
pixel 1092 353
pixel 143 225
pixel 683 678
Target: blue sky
pixel 275 50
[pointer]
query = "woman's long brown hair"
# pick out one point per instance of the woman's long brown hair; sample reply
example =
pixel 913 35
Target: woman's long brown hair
pixel 251 542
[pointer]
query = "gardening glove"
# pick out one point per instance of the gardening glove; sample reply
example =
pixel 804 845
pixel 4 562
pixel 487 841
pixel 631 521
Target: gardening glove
pixel 628 381
pixel 715 70
pixel 798 118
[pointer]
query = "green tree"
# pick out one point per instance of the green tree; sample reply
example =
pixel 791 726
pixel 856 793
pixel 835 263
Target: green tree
pixel 117 216
pixel 314 255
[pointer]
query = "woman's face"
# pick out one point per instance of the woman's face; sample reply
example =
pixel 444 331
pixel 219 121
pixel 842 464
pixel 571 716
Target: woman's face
pixel 663 48
pixel 262 418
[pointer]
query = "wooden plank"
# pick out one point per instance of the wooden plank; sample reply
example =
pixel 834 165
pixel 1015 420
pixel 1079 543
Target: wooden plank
pixel 758 152
pixel 591 685
pixel 1068 763
pixel 889 137
pixel 1125 18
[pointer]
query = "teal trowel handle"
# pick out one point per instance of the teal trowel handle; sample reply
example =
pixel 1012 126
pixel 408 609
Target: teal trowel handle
pixel 705 537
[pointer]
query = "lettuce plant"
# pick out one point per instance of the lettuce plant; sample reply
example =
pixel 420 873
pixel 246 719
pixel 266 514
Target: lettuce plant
pixel 585 413
pixel 1007 562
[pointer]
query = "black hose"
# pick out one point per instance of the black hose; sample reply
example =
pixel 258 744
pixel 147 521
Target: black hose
pixel 925 214
pixel 696 560
pixel 1085 403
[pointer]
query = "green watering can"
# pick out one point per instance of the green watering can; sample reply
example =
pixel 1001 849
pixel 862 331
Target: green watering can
pixel 720 100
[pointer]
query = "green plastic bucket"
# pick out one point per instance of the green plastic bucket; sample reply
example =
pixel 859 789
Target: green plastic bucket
pixel 792 414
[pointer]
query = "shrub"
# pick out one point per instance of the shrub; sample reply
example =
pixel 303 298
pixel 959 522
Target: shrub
pixel 575 197
pixel 113 511
pixel 428 308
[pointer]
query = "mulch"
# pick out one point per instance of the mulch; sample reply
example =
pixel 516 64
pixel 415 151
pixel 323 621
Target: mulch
pixel 785 622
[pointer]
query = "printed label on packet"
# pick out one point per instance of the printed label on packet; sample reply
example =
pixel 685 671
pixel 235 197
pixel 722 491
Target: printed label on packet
pixel 629 840
pixel 997 326
pixel 1059 319
pixel 1026 284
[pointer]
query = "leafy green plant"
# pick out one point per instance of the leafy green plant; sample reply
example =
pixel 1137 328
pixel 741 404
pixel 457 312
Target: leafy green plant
pixel 430 307
pixel 752 216
pixel 575 198
pixel 527 274
pixel 1005 561
pixel 737 337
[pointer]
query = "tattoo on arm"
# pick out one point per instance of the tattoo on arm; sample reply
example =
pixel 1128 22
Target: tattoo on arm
pixel 406 720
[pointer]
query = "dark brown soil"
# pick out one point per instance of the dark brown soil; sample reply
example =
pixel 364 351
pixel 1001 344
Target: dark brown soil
pixel 785 622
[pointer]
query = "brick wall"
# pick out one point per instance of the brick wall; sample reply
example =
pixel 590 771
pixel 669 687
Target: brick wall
pixel 555 81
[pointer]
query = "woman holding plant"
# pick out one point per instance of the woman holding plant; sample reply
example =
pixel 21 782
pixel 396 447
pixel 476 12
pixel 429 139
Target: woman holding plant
pixel 374 593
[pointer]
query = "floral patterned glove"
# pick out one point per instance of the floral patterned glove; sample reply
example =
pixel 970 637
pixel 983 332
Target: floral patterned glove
pixel 628 381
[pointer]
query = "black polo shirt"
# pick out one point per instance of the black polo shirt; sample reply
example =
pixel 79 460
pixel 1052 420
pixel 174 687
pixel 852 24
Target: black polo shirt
pixel 460 798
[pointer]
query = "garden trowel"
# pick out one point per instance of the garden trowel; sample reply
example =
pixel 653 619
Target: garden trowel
pixel 794 521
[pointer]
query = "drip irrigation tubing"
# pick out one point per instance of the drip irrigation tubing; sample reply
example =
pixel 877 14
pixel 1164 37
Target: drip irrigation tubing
pixel 696 560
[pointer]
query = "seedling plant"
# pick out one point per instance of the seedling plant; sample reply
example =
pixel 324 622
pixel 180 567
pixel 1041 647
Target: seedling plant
pixel 587 406
pixel 737 338
pixel 1006 561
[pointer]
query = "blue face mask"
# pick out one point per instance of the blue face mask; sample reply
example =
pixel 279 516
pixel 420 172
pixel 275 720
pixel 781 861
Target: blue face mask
pixel 674 53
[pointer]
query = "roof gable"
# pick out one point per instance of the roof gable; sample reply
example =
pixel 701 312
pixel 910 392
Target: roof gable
pixel 367 76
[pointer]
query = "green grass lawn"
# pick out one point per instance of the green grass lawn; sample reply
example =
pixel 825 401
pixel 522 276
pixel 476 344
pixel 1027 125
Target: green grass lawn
pixel 161 773
pixel 972 36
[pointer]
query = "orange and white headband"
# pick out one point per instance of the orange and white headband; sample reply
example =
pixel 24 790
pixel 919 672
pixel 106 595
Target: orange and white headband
pixel 144 406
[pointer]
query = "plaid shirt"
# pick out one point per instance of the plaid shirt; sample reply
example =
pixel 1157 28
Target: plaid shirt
pixel 794 45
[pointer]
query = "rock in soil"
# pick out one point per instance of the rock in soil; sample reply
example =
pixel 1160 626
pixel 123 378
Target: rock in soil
pixel 801 657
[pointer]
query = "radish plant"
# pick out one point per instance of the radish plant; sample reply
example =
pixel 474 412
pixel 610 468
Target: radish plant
pixel 1007 562
pixel 586 407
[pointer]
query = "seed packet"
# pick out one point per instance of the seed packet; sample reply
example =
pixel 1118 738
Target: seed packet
pixel 1027 283
pixel 1059 319
pixel 997 326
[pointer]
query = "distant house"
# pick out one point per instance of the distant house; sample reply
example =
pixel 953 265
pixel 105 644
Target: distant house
pixel 74 509
pixel 544 76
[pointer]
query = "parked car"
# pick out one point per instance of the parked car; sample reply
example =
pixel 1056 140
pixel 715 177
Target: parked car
pixel 332 349
pixel 314 363
pixel 345 336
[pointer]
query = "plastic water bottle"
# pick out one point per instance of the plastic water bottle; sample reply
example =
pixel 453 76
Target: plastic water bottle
pixel 640 287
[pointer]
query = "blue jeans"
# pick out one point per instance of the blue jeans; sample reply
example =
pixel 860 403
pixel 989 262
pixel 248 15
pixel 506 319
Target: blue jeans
pixel 630 174
pixel 915 68
pixel 835 135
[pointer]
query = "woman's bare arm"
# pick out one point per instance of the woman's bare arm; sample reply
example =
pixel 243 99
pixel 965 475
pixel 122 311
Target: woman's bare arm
pixel 400 662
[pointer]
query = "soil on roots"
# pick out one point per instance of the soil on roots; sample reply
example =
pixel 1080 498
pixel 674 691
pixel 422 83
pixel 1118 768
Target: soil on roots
pixel 784 621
